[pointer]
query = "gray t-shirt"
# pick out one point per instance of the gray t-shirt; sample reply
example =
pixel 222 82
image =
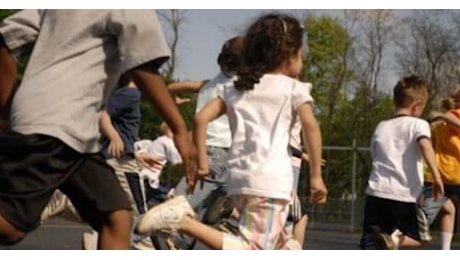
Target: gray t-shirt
pixel 78 56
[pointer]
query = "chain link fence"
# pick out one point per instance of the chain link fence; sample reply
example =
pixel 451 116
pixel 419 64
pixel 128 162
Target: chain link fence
pixel 346 173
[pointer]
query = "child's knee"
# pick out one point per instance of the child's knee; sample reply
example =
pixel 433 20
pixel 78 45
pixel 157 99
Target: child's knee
pixel 120 218
pixel 448 207
pixel 11 237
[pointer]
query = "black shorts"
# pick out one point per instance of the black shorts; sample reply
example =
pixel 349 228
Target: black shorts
pixel 32 167
pixel 383 215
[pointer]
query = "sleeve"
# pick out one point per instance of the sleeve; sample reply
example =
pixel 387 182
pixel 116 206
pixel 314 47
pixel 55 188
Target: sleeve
pixel 120 101
pixel 301 94
pixel 228 90
pixel 422 130
pixel 20 31
pixel 140 37
pixel 456 113
pixel 172 154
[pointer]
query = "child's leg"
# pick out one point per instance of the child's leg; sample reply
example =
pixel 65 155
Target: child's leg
pixel 127 172
pixel 199 200
pixel 207 235
pixel 261 225
pixel 300 227
pixel 446 210
pixel 447 218
pixel 412 229
pixel 176 214
pixel 97 195
pixel 116 232
pixel 9 235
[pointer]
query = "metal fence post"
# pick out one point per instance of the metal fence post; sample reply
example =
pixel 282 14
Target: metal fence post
pixel 353 187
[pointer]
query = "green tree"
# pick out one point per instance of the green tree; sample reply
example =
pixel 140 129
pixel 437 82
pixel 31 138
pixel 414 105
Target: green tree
pixel 326 67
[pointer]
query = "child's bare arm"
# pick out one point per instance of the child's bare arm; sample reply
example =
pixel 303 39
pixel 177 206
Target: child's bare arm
pixel 8 71
pixel 212 110
pixel 151 83
pixel 313 140
pixel 447 117
pixel 186 86
pixel 428 155
pixel 116 145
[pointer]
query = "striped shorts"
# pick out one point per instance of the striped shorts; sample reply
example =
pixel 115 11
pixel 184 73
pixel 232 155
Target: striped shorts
pixel 261 225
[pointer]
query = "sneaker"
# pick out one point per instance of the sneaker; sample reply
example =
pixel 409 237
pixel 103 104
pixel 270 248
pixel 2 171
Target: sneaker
pixel 221 208
pixel 90 240
pixel 383 241
pixel 165 217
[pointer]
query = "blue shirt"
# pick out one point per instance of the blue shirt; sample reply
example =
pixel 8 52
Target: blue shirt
pixel 124 110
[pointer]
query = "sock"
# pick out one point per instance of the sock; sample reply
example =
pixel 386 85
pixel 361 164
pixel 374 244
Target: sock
pixel 396 237
pixel 446 239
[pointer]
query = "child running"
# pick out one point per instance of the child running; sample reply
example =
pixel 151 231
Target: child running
pixel 392 218
pixel 446 142
pixel 53 115
pixel 163 149
pixel 262 107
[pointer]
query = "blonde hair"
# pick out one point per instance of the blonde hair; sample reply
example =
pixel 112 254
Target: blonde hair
pixel 409 89
pixel 164 128
pixel 452 101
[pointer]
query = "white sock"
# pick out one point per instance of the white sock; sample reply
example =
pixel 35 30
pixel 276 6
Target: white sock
pixel 396 237
pixel 446 239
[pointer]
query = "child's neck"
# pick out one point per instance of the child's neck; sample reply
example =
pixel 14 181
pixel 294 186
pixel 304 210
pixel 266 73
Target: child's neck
pixel 403 112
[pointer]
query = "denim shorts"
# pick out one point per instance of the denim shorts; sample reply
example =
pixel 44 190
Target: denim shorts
pixel 430 206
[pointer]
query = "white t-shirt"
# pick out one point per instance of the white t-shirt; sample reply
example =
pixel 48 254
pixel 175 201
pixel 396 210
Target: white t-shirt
pixel 261 121
pixel 218 132
pixel 162 148
pixel 397 167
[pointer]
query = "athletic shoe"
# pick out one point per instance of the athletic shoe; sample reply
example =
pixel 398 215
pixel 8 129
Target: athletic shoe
pixel 383 241
pixel 90 240
pixel 165 217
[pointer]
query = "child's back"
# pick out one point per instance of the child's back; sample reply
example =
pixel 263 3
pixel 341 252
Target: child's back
pixel 397 168
pixel 261 121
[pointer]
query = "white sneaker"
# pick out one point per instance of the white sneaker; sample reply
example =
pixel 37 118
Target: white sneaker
pixel 165 217
pixel 90 240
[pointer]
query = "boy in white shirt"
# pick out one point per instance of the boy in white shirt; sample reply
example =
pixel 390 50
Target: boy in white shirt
pixel 392 218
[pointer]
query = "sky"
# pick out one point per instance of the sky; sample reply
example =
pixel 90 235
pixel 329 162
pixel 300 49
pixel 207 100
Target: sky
pixel 204 32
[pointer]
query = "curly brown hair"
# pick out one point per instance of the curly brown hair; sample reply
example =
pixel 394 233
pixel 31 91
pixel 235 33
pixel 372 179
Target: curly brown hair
pixel 269 41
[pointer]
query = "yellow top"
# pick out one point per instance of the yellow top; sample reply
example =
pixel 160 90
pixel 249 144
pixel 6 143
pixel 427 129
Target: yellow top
pixel 446 143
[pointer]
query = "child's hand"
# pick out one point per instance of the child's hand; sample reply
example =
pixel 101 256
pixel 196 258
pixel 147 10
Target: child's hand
pixel 180 101
pixel 116 146
pixel 438 189
pixel 148 161
pixel 306 158
pixel 188 153
pixel 202 172
pixel 318 191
